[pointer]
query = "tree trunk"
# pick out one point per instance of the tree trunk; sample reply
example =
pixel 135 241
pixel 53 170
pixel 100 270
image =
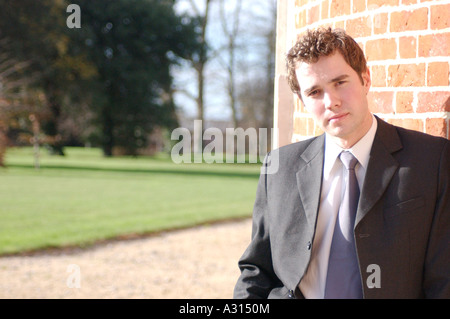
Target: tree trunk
pixel 51 126
pixel 3 144
pixel 108 133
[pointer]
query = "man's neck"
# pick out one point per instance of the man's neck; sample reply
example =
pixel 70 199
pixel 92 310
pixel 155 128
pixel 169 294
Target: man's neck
pixel 349 142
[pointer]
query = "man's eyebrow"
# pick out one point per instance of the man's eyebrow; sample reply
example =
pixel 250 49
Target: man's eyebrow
pixel 312 88
pixel 339 78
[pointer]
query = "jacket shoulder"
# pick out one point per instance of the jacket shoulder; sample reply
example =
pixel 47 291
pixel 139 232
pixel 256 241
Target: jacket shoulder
pixel 397 138
pixel 297 148
pixel 290 157
pixel 420 141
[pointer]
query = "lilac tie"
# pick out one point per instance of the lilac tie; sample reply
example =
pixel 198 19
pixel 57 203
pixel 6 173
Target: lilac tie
pixel 343 278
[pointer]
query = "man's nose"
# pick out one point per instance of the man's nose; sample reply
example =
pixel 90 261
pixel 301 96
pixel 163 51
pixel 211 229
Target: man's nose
pixel 331 100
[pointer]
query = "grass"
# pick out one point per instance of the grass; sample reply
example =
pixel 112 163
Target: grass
pixel 83 197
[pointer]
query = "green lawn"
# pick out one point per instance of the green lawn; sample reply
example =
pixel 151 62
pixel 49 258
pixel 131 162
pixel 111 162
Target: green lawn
pixel 84 197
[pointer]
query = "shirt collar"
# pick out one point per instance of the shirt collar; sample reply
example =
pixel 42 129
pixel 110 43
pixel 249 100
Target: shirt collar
pixel 361 150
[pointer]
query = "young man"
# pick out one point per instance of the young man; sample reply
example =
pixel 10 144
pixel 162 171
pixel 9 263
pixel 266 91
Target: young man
pixel 362 211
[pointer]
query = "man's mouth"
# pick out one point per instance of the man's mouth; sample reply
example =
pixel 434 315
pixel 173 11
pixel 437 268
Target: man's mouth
pixel 338 117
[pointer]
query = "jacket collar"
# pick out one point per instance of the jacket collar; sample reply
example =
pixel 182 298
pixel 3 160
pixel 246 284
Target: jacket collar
pixel 309 178
pixel 381 168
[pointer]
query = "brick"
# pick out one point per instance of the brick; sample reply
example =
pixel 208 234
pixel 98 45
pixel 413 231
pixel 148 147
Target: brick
pixel 339 24
pixel 440 16
pixel 380 22
pixel 437 74
pixel 407 47
pixel 409 20
pixel 358 6
pixel 371 4
pixel 436 127
pixel 340 7
pixel 406 2
pixel 438 101
pixel 311 127
pixel 317 129
pixel 324 9
pixel 381 102
pixel 299 3
pixel 434 45
pixel 313 14
pixel 381 49
pixel 406 75
pixel 299 107
pixel 412 124
pixel 301 126
pixel 360 27
pixel 403 102
pixel 378 76
pixel 300 19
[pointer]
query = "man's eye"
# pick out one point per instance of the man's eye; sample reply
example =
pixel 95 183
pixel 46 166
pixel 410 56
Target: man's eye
pixel 313 93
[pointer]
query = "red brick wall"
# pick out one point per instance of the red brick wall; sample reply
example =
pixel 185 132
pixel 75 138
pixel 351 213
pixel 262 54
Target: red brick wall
pixel 407 45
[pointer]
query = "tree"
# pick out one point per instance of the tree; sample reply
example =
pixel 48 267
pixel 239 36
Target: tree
pixel 15 94
pixel 256 90
pixel 18 104
pixel 40 36
pixel 256 66
pixel 117 63
pixel 133 43
pixel 231 29
pixel 240 60
pixel 198 60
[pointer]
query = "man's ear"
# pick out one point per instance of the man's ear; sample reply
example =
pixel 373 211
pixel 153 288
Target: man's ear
pixel 367 82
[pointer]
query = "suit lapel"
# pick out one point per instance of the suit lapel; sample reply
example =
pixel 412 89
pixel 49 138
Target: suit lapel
pixel 382 166
pixel 309 179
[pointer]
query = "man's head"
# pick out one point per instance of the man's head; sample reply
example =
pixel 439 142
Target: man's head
pixel 328 71
pixel 323 42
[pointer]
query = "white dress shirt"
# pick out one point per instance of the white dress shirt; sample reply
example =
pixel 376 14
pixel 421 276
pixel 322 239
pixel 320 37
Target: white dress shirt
pixel 312 285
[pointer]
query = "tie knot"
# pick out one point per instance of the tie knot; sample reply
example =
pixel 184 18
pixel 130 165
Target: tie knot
pixel 348 160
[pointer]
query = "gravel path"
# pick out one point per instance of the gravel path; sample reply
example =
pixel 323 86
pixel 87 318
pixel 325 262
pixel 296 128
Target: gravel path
pixel 194 263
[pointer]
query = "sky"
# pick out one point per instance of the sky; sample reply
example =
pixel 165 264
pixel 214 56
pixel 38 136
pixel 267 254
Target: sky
pixel 215 91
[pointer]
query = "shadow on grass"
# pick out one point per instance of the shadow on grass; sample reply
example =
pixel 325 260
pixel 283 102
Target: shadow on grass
pixel 175 171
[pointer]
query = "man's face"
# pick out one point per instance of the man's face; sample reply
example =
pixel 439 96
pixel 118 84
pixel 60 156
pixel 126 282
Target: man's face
pixel 332 91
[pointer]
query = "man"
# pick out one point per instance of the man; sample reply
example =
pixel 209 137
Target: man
pixel 323 228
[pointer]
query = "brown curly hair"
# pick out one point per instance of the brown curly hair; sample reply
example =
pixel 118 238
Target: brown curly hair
pixel 323 42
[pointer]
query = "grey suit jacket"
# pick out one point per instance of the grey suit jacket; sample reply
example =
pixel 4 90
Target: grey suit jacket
pixel 402 223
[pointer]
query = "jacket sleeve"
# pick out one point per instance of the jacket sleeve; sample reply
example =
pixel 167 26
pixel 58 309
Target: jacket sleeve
pixel 257 277
pixel 437 264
